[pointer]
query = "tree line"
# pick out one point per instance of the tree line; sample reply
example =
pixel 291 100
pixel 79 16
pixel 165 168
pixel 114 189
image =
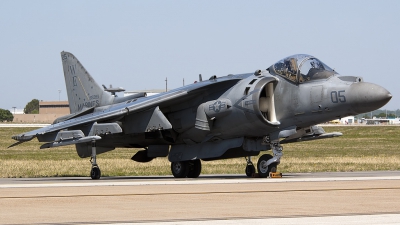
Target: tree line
pixel 31 107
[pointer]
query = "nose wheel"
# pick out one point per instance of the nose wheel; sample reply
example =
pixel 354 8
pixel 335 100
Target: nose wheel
pixel 262 165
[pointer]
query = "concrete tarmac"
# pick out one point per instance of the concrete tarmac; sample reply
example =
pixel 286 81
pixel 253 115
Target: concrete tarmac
pixel 222 199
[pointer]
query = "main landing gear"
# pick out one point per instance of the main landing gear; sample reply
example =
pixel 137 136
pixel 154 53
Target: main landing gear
pixel 95 173
pixel 190 169
pixel 250 169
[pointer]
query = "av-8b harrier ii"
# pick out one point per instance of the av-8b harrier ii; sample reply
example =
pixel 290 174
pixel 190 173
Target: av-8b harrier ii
pixel 223 117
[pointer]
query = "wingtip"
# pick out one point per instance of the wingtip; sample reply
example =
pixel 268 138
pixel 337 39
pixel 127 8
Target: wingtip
pixel 23 137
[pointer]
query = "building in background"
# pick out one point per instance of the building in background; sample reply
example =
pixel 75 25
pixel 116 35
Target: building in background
pixel 54 107
pixel 348 120
pixel 48 112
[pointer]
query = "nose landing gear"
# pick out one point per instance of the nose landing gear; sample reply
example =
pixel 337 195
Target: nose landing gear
pixel 268 163
pixel 262 165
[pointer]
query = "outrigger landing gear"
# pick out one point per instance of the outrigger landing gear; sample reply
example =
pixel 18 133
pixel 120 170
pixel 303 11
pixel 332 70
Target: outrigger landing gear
pixel 250 169
pixel 268 163
pixel 95 173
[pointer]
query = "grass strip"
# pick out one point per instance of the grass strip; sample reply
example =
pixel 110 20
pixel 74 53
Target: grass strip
pixel 361 148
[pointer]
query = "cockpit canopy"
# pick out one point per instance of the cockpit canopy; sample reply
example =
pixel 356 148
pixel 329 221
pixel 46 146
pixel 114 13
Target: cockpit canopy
pixel 302 68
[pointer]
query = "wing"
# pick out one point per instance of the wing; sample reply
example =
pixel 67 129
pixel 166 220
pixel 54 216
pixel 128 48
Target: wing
pixel 116 111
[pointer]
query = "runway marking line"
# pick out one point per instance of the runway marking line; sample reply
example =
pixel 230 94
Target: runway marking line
pixel 198 193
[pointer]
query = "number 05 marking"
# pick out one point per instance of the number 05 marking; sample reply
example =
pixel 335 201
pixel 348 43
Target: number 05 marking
pixel 338 96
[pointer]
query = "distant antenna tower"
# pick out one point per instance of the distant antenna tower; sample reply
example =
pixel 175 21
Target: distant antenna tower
pixel 166 84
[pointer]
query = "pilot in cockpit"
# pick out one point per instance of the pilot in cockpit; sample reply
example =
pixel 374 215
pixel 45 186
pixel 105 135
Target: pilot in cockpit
pixel 291 69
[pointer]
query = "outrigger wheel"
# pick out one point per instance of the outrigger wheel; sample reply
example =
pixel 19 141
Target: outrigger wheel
pixel 263 168
pixel 95 173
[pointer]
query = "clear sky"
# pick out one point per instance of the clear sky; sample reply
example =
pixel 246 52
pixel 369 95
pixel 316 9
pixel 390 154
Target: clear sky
pixel 137 44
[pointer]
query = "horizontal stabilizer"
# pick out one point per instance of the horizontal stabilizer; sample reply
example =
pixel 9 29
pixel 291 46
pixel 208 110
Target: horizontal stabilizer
pixel 83 112
pixel 15 144
pixel 129 98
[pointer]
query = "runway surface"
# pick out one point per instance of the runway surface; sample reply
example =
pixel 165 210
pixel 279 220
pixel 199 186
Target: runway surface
pixel 314 198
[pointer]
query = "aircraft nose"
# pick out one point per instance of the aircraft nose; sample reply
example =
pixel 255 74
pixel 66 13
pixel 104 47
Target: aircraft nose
pixel 366 97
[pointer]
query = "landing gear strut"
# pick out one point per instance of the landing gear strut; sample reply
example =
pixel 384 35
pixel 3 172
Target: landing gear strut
pixel 190 169
pixel 250 169
pixel 95 173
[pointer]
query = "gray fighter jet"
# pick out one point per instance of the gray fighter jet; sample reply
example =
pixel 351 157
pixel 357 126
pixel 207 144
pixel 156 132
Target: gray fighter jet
pixel 219 118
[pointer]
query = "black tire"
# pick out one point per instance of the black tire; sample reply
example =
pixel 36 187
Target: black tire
pixel 263 169
pixel 95 173
pixel 180 169
pixel 194 168
pixel 250 169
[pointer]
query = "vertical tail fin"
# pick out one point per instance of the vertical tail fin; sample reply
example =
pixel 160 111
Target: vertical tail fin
pixel 83 91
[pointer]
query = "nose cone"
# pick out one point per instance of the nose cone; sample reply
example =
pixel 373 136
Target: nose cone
pixel 366 97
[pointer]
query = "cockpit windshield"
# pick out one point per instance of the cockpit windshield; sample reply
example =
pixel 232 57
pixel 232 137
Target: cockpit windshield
pixel 302 68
